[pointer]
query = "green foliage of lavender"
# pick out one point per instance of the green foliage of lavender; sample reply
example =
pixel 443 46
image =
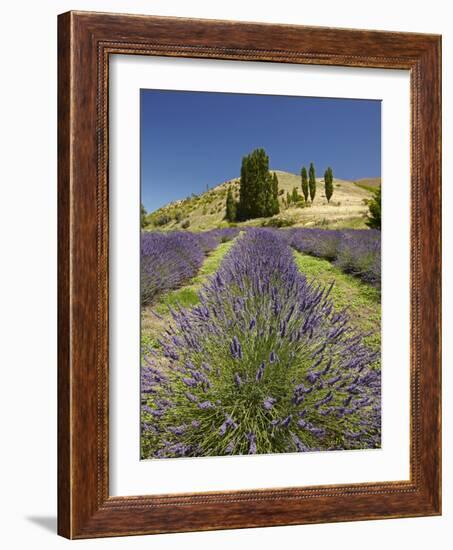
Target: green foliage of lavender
pixel 264 364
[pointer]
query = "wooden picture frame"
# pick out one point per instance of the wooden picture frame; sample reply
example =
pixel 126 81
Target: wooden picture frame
pixel 85 42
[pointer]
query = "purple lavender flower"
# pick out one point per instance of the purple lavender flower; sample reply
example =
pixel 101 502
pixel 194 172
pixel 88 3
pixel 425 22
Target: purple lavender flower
pixel 230 447
pixel 252 443
pixel 347 401
pixel 313 376
pixel 268 403
pixel 206 405
pixel 228 423
pixel 189 382
pixel 177 430
pixel 286 421
pixel 236 348
pixel 156 412
pixel 298 443
pixel 191 397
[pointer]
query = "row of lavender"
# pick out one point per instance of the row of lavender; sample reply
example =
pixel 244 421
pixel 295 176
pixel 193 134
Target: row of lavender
pixel 171 259
pixel 355 251
pixel 263 364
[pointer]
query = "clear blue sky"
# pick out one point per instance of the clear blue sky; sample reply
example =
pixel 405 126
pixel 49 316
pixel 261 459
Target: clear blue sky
pixel 193 139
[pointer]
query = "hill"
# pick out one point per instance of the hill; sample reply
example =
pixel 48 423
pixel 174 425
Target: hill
pixel 369 184
pixel 347 208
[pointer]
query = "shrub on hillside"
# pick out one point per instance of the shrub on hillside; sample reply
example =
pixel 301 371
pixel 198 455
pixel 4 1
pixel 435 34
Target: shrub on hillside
pixel 278 222
pixel 162 219
pixel 374 205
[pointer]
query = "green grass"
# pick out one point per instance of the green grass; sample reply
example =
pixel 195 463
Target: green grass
pixel 361 299
pixel 366 187
pixel 187 296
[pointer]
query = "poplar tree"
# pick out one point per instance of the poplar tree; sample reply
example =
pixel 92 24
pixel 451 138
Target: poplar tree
pixel 268 203
pixel 312 181
pixel 230 207
pixel 275 204
pixel 303 174
pixel 328 183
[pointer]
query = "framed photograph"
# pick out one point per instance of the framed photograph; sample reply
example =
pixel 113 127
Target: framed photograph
pixel 249 275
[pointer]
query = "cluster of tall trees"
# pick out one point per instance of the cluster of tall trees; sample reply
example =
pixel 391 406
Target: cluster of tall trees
pixel 258 190
pixel 308 182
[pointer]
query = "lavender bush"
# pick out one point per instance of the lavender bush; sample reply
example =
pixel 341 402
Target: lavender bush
pixel 170 259
pixel 167 260
pixel 359 253
pixel 209 240
pixel 263 364
pixel 355 251
pixel 322 243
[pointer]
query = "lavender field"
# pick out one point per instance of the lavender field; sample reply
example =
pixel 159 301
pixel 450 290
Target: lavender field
pixel 261 341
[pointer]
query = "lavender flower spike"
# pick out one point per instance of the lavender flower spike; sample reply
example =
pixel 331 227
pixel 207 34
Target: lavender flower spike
pixel 260 372
pixel 252 440
pixel 206 405
pixel 235 348
pixel 268 403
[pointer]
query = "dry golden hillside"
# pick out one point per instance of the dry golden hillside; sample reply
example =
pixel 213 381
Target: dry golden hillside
pixel 347 207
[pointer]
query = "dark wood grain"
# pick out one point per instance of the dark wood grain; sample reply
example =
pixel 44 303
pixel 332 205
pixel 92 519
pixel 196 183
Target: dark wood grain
pixel 64 368
pixel 85 42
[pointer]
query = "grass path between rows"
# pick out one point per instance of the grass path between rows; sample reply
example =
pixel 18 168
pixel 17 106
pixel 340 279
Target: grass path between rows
pixel 186 296
pixel 362 300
